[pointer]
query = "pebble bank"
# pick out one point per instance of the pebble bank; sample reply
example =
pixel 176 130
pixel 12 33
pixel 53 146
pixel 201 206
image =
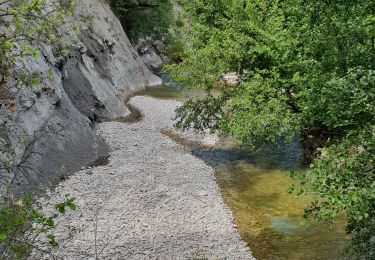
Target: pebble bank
pixel 153 200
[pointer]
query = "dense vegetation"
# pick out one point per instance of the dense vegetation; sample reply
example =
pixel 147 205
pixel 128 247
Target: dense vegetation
pixel 142 18
pixel 155 19
pixel 23 226
pixel 305 68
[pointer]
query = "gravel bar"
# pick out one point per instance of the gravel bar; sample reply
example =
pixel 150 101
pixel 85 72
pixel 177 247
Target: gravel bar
pixel 154 200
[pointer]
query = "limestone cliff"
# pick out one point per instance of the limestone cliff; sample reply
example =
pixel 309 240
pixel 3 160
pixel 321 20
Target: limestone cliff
pixel 87 85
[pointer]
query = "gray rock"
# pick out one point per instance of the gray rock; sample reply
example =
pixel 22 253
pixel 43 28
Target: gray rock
pixel 87 86
pixel 231 78
pixel 82 50
pixel 153 52
pixel 160 46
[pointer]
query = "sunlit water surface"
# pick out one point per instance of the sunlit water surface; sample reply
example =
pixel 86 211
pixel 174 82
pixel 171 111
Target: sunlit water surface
pixel 255 186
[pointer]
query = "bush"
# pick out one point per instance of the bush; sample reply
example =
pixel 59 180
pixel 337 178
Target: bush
pixel 175 48
pixel 144 18
pixel 22 225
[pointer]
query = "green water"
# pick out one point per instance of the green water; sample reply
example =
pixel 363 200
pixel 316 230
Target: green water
pixel 254 185
pixel 171 92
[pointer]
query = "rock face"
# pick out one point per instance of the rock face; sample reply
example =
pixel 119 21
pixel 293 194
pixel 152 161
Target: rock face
pixel 153 52
pixel 89 84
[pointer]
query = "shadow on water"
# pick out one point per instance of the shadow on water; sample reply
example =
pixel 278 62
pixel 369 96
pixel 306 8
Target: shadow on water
pixel 282 156
pixel 255 186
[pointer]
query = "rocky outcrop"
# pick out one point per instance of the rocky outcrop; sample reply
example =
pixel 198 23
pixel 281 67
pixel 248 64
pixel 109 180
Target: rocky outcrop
pixel 153 52
pixel 51 129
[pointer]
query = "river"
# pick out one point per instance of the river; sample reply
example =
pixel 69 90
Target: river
pixel 255 187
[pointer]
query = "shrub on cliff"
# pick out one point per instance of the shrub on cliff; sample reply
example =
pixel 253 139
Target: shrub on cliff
pixel 24 25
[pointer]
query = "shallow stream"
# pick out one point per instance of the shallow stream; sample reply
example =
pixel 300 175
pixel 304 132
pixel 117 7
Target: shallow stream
pixel 255 186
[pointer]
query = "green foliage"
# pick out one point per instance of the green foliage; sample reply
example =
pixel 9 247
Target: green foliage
pixel 175 48
pixel 120 6
pixel 69 203
pixel 363 242
pixel 201 114
pixel 28 22
pixel 144 17
pixel 259 115
pixel 226 37
pixel 265 43
pixel 303 66
pixel 342 180
pixel 22 224
pixel 342 103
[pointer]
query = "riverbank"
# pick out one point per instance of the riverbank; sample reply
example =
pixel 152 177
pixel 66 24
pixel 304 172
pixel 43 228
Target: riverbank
pixel 153 200
pixel 255 186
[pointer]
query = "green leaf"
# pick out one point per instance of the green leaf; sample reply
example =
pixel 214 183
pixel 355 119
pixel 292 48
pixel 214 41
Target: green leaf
pixel 3 236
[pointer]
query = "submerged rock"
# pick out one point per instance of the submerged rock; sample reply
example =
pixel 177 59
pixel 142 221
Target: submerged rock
pixel 284 225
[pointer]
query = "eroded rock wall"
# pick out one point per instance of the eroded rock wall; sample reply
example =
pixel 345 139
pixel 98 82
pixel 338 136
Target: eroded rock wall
pixel 51 129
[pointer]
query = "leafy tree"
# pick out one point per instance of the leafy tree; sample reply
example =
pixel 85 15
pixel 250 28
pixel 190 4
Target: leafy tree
pixel 305 68
pixel 342 180
pixel 230 36
pixel 133 15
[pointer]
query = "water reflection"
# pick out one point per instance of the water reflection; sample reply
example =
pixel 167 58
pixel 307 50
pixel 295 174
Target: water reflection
pixel 255 186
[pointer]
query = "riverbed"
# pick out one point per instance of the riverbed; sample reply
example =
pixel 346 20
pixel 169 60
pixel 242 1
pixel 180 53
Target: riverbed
pixel 150 199
pixel 255 187
pixel 163 194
